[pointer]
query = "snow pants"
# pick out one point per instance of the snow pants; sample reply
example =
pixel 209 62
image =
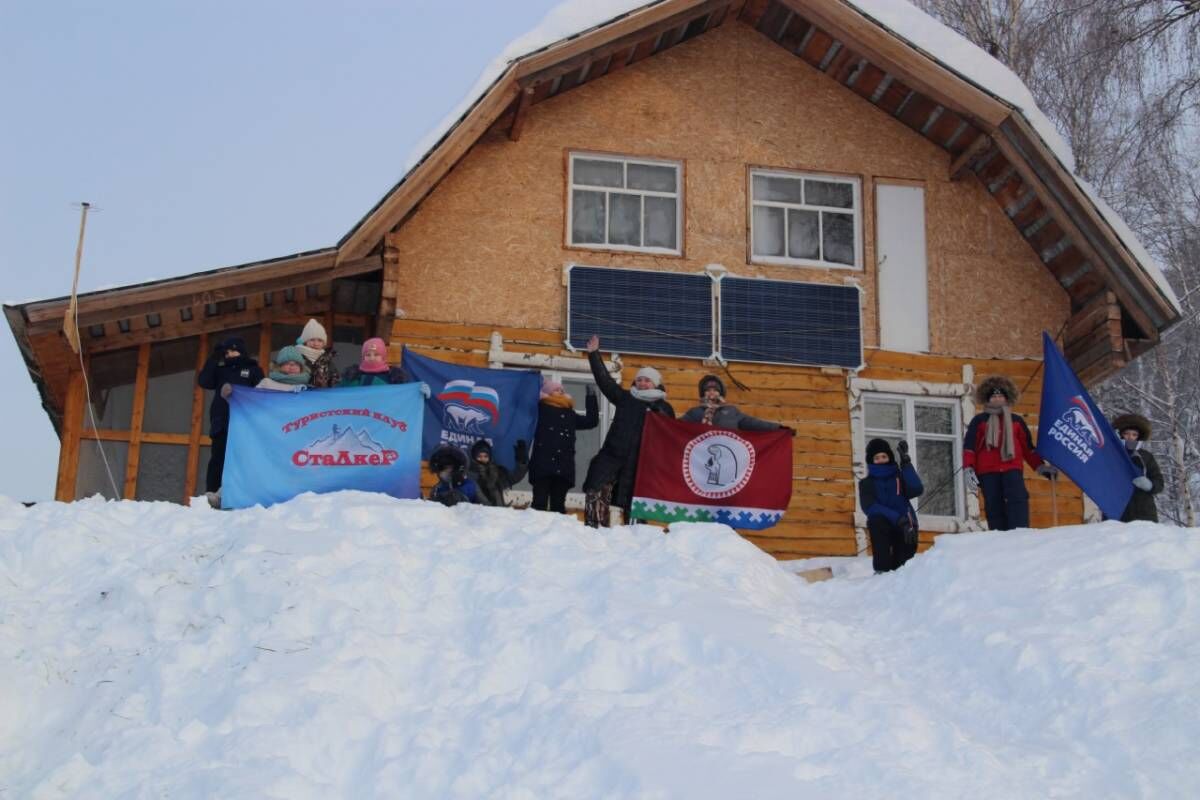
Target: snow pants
pixel 888 549
pixel 216 462
pixel 550 494
pixel 1006 500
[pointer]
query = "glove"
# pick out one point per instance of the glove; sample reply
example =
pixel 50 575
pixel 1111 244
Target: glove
pixel 1047 471
pixel 425 390
pixel 1143 483
pixel 791 431
pixel 226 390
pixel 907 530
pixel 902 446
pixel 971 479
pixel 521 451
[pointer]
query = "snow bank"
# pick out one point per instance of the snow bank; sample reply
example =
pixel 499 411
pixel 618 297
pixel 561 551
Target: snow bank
pixel 352 645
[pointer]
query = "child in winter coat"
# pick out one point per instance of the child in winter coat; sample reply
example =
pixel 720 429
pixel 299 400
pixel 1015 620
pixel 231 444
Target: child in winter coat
pixel 552 468
pixel 319 360
pixel 291 373
pixel 228 364
pixel 996 443
pixel 610 476
pixel 884 496
pixel 1135 432
pixel 713 410
pixel 492 478
pixel 453 486
pixel 373 369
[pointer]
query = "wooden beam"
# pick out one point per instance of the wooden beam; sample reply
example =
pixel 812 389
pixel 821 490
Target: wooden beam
pixel 197 425
pixel 68 452
pixel 167 302
pixel 390 288
pixel 135 424
pixel 518 123
pixel 891 53
pixel 961 165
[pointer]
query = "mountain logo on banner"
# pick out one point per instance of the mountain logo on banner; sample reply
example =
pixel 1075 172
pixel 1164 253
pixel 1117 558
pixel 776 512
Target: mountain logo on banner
pixel 1076 429
pixel 717 464
pixel 469 408
pixel 345 447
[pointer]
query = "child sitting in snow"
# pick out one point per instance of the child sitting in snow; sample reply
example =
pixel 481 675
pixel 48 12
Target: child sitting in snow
pixel 291 373
pixel 884 496
pixel 453 486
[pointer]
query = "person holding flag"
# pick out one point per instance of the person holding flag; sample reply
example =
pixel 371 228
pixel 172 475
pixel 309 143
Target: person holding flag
pixel 995 445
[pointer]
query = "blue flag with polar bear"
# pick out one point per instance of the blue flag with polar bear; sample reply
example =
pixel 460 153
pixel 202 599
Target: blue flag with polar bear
pixel 1074 436
pixel 466 404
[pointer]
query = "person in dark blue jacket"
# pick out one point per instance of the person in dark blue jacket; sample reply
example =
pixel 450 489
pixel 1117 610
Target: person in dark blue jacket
pixel 453 487
pixel 230 365
pixel 552 466
pixel 884 495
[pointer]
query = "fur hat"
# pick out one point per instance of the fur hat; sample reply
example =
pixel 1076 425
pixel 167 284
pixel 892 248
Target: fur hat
pixel 649 372
pixel 313 330
pixel 879 446
pixel 233 343
pixel 549 387
pixel 447 455
pixel 481 446
pixel 291 353
pixel 708 380
pixel 993 383
pixel 1135 421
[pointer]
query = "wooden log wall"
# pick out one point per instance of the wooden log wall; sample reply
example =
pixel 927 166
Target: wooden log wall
pixel 820 517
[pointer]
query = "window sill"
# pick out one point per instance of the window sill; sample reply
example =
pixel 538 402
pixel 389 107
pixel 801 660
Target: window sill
pixel 640 251
pixel 773 261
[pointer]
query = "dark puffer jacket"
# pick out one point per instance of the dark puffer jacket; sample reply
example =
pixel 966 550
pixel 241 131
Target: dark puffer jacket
pixel 616 462
pixel 218 371
pixel 1141 504
pixel 886 491
pixel 731 418
pixel 554 441
pixel 492 478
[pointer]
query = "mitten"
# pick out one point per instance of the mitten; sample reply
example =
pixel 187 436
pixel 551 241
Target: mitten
pixel 1143 483
pixel 425 390
pixel 971 479
pixel 226 390
pixel 1047 470
pixel 902 447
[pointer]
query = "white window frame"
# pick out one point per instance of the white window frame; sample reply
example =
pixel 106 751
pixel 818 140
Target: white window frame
pixel 855 184
pixel 910 434
pixel 625 161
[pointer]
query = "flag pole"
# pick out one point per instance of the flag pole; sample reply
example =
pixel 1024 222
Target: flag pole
pixel 70 328
pixel 1054 500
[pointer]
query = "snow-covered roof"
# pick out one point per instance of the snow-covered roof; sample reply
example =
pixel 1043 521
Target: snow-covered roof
pixel 573 18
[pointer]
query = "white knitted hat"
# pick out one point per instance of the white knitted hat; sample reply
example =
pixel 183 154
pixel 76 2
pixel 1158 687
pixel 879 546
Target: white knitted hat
pixel 313 330
pixel 651 373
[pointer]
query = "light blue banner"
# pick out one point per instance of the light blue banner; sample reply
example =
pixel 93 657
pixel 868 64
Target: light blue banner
pixel 282 444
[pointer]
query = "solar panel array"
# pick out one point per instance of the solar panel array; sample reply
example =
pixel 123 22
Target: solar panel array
pixel 783 322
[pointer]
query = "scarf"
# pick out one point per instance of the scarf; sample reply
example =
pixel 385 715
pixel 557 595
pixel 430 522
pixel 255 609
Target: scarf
pixel 559 401
pixel 648 395
pixel 299 378
pixel 998 415
pixel 310 353
pixel 710 410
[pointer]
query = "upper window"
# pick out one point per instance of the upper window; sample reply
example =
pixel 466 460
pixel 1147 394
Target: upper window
pixel 624 204
pixel 931 428
pixel 807 219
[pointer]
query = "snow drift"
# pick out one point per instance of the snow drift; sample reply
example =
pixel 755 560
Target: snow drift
pixel 353 645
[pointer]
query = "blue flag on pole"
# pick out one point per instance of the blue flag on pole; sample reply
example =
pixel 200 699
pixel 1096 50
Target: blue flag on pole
pixel 467 404
pixel 1074 436
pixel 282 444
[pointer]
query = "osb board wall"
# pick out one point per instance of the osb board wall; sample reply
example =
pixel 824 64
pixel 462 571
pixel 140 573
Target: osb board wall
pixel 820 517
pixel 488 244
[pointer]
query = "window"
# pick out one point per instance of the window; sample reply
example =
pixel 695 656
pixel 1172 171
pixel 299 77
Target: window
pixel 805 219
pixel 931 428
pixel 624 204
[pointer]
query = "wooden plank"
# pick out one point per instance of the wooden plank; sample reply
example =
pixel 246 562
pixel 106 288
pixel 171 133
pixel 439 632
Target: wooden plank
pixel 197 424
pixel 818 45
pixel 897 57
pixel 793 34
pixel 868 81
pixel 135 426
pixel 165 438
pixel 945 127
pixel 752 11
pixel 893 96
pixel 523 103
pixel 68 452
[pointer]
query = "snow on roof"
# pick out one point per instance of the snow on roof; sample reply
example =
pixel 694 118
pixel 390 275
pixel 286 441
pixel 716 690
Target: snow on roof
pixel 572 18
pixel 353 645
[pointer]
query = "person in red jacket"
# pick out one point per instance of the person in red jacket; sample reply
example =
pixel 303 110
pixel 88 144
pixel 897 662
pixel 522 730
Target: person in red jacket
pixel 996 443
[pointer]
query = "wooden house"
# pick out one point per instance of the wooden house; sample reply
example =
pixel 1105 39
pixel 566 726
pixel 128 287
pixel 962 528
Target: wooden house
pixel 792 193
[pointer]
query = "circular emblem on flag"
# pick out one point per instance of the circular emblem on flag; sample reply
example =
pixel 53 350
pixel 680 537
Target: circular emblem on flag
pixel 717 464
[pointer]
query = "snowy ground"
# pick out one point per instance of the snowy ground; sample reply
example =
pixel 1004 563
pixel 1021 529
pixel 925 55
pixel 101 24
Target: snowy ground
pixel 358 646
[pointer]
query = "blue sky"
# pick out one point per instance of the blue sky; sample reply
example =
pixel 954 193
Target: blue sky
pixel 208 134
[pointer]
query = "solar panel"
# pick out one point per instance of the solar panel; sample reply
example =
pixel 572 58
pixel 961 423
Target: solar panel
pixel 784 322
pixel 636 311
